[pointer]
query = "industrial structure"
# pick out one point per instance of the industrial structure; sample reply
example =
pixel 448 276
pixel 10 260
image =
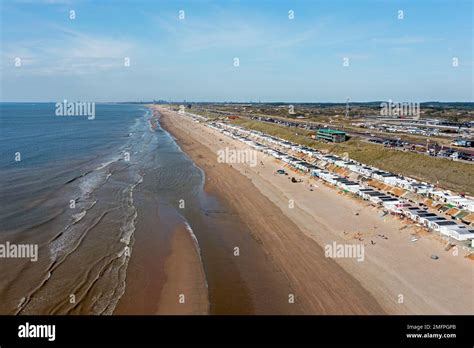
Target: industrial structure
pixel 332 135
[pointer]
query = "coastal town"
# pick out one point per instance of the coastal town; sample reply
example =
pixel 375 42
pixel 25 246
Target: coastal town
pixel 435 210
pixel 244 172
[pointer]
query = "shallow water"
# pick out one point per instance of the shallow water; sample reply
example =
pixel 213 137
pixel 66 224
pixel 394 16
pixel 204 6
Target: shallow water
pixel 72 194
pixel 82 191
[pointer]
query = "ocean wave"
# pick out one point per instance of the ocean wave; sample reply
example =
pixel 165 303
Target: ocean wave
pixel 79 216
pixel 127 232
pixel 196 244
pixel 70 239
pixel 92 181
pixel 25 301
pixel 78 177
pixel 128 228
pixel 106 164
pixel 88 176
pixel 75 219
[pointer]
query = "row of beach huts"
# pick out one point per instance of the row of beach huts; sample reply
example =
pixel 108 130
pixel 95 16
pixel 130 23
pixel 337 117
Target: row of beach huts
pixel 437 210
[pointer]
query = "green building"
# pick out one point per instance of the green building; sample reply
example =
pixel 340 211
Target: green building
pixel 332 135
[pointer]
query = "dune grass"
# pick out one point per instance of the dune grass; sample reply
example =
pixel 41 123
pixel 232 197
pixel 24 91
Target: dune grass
pixel 455 176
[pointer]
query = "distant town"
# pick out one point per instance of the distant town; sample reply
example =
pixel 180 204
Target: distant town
pixel 437 129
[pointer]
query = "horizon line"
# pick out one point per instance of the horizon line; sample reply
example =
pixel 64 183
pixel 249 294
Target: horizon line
pixel 240 102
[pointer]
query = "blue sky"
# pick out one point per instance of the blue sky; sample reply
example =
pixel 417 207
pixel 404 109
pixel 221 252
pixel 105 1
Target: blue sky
pixel 280 59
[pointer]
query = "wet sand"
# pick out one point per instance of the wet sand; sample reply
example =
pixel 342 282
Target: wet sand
pixel 166 262
pixel 135 205
pixel 242 278
pixel 318 284
pixel 183 292
pixel 398 273
pixel 157 245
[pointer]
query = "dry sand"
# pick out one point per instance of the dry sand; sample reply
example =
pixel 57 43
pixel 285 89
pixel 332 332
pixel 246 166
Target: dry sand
pixel 397 276
pixel 320 285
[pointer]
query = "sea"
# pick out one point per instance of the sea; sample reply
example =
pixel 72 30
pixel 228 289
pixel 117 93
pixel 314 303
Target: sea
pixel 100 199
pixel 67 186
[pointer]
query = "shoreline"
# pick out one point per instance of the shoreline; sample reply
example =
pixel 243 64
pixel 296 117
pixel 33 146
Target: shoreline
pixel 320 285
pixel 393 269
pixel 164 261
pixel 183 292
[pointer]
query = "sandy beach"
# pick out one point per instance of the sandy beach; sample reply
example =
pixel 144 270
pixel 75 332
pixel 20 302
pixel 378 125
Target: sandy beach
pixel 163 266
pixel 183 260
pixel 396 276
pixel 184 293
pixel 320 285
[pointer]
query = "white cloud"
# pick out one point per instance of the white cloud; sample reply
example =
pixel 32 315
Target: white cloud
pixel 70 52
